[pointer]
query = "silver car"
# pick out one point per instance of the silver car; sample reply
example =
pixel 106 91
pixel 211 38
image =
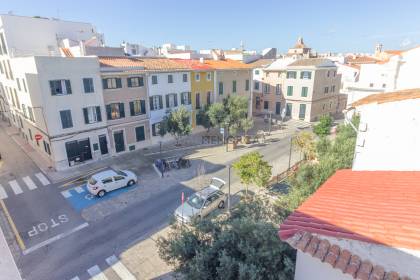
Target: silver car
pixel 201 203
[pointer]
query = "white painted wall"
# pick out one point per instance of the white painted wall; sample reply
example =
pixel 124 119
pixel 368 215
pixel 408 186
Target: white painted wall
pixel 407 75
pixel 391 138
pixel 38 36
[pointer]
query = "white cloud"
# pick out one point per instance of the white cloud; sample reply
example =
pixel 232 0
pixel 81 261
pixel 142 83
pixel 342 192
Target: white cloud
pixel 406 42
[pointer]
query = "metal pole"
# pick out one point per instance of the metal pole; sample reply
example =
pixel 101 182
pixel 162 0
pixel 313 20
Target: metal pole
pixel 290 152
pixel 269 129
pixel 229 188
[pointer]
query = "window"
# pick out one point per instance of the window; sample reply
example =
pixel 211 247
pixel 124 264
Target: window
pixel 140 136
pixel 25 115
pixel 371 85
pixel 137 107
pixel 31 114
pixel 304 92
pixel 208 98
pixel 197 100
pixel 257 85
pixel 266 88
pixel 257 102
pixel 220 88
pixel 30 134
pixel 383 85
pixel 66 121
pixel 156 127
pixel 185 78
pixel 154 80
pixel 257 72
pixel 92 114
pixel 208 76
pixel 3 43
pixel 111 83
pixel 265 105
pixel 171 100
pixel 326 90
pixel 47 148
pixel 17 98
pixel 60 87
pixel 291 74
pixel 156 102
pixel 24 85
pixel 197 77
pixel 332 88
pixel 170 79
pixel 288 109
pixel 88 85
pixel 328 73
pixel 330 104
pixel 278 89
pixel 135 82
pixel 302 111
pixel 234 86
pixel 246 85
pixel 185 98
pixel 289 90
pixel 107 180
pixel 335 73
pixel 306 75
pixel 323 107
pixel 115 111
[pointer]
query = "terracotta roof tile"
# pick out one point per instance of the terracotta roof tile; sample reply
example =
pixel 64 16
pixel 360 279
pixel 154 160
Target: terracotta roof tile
pixel 341 259
pixel 227 64
pixel 193 64
pixel 67 52
pixel 389 97
pixel 139 62
pixel 348 204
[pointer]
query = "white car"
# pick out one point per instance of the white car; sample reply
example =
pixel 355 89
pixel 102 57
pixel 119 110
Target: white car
pixel 105 181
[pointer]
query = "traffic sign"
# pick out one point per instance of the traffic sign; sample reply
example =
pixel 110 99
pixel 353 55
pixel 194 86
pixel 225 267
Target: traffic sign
pixel 222 130
pixel 38 137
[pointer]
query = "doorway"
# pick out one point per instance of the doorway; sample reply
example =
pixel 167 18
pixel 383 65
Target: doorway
pixel 119 141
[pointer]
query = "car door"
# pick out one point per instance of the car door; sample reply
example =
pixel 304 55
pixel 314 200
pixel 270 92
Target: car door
pixel 211 203
pixel 119 182
pixel 108 184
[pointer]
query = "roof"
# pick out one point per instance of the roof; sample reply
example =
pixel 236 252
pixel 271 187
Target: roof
pixel 193 64
pixel 394 52
pixel 104 174
pixel 280 64
pixel 387 97
pixel 341 259
pixel 145 63
pixel 67 52
pixel 379 207
pixel 263 62
pixel 361 60
pixel 317 62
pixel 226 64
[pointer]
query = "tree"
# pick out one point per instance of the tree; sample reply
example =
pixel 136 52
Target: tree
pixel 204 119
pixel 253 169
pixel 177 123
pixel 305 142
pixel 244 245
pixel 324 126
pixel 247 124
pixel 217 114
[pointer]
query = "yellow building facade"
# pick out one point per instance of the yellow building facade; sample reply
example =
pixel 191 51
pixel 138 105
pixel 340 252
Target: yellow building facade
pixel 202 91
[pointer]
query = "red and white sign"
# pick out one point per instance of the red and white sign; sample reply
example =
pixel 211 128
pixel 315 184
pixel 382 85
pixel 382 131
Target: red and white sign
pixel 38 137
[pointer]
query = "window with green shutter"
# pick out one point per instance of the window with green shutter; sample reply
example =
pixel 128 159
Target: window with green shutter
pixel 304 92
pixel 234 86
pixel 220 88
pixel 289 90
pixel 140 135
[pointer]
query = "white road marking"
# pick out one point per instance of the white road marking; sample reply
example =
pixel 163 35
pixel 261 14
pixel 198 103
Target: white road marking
pixel 157 170
pixel 66 193
pixel 3 193
pixel 15 186
pixel 96 273
pixel 55 238
pixel 75 278
pixel 28 181
pixel 79 189
pixel 119 268
pixel 41 177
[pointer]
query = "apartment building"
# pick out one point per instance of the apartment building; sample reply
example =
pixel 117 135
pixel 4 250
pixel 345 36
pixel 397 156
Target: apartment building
pixel 312 89
pixel 202 85
pixel 124 84
pixel 258 84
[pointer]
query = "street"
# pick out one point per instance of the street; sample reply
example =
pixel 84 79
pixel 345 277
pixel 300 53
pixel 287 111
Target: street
pixel 62 232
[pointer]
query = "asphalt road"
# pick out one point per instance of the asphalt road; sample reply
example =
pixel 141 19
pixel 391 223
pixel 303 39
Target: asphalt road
pixel 73 251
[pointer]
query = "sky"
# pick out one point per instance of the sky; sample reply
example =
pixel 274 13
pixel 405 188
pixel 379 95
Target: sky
pixel 337 26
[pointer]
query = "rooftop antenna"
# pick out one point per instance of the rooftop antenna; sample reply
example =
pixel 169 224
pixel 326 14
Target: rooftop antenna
pixel 242 45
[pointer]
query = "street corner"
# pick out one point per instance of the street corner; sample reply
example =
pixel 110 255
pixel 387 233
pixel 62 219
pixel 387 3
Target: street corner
pixel 80 198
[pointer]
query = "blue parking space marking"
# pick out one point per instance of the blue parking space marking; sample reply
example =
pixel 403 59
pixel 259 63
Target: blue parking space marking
pixel 80 198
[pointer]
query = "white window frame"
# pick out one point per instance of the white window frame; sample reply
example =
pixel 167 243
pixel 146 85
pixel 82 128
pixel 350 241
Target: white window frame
pixel 92 116
pixel 155 103
pixel 197 75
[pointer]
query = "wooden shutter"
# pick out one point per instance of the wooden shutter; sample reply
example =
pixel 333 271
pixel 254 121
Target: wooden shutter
pixel 98 114
pixel 132 109
pixel 160 102
pixel 141 82
pixel 104 83
pixel 122 112
pixel 108 112
pixel 151 103
pixel 154 129
pixel 68 86
pixel 140 133
pixel 85 114
pixel 176 99
pixel 52 87
pixel 143 106
pixel 129 82
pixel 167 101
pixel 189 97
pixel 118 82
pixel 182 98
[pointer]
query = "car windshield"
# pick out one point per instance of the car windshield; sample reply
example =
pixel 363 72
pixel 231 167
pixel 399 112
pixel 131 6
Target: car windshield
pixel 119 172
pixel 92 181
pixel 195 201
pixel 217 183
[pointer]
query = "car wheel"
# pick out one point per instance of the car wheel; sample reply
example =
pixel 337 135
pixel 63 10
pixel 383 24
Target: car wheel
pixel 221 204
pixel 130 183
pixel 101 193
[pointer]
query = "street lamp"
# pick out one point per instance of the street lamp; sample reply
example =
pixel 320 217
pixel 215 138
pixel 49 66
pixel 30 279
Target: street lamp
pixel 229 167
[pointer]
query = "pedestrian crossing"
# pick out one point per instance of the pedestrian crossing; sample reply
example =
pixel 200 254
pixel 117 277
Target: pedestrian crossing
pixel 119 271
pixel 18 186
